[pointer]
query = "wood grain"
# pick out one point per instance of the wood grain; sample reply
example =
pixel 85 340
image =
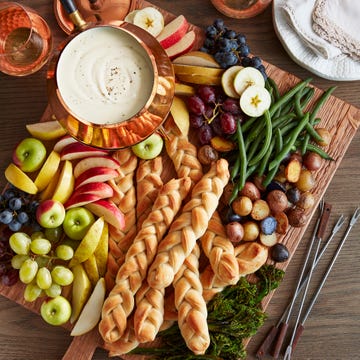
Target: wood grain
pixel 334 323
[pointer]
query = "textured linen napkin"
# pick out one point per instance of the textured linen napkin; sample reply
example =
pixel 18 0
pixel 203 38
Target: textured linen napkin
pixel 298 14
pixel 338 22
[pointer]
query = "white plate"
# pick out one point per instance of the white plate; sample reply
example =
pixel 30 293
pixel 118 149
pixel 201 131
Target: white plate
pixel 340 68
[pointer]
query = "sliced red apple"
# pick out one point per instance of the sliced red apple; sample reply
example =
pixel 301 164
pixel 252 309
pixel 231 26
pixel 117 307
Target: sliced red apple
pixel 79 150
pixel 98 188
pixel 94 161
pixel 181 47
pixel 61 143
pixel 81 199
pixel 112 214
pixel 95 174
pixel 173 32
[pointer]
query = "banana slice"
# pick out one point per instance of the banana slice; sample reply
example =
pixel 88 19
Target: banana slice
pixel 255 100
pixel 227 81
pixel 130 16
pixel 149 19
pixel 246 77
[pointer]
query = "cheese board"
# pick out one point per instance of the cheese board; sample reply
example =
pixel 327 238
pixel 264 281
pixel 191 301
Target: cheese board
pixel 340 118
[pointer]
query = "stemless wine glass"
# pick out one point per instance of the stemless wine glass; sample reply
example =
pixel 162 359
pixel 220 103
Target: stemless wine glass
pixel 241 9
pixel 25 40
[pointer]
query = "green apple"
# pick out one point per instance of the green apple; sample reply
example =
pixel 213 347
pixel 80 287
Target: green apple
pixel 56 311
pixel 149 148
pixel 50 213
pixel 29 154
pixel 77 222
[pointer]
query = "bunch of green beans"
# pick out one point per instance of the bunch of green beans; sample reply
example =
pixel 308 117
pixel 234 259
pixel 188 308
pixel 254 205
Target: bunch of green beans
pixel 265 141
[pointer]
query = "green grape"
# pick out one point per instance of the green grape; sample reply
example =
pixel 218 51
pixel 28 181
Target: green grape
pixel 20 243
pixel 37 235
pixel 40 246
pixel 54 234
pixel 54 290
pixel 42 261
pixel 43 278
pixel 31 292
pixel 64 252
pixel 17 260
pixel 62 275
pixel 28 271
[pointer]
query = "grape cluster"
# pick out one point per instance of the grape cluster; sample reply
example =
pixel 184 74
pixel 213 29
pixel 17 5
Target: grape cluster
pixel 17 209
pixel 8 275
pixel 229 47
pixel 213 113
pixel 42 268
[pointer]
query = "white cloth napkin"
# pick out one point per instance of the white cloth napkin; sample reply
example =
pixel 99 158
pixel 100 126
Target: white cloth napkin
pixel 299 16
pixel 338 22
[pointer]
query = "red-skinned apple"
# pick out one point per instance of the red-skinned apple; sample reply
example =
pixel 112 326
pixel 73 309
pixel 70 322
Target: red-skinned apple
pixel 81 200
pixel 173 32
pixel 95 161
pixel 62 142
pixel 50 213
pixel 95 174
pixel 79 150
pixel 182 46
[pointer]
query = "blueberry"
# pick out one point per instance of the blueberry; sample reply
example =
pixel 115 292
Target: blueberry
pixel 14 225
pixel 15 203
pixel 268 225
pixel 6 216
pixel 22 217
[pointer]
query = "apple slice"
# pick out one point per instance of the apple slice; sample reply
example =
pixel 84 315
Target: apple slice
pixel 227 81
pixel 112 214
pixel 173 32
pixel 48 170
pixel 182 46
pixel 76 200
pixel 79 150
pixel 197 58
pixel 101 189
pixel 65 185
pixel 89 243
pixel 62 142
pixel 46 130
pixel 180 114
pixel 19 179
pixel 95 161
pixel 91 313
pixel 96 174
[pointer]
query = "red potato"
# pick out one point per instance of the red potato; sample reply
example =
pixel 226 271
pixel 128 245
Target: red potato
pixel 277 201
pixel 297 217
pixel 251 191
pixel 235 232
pixel 312 161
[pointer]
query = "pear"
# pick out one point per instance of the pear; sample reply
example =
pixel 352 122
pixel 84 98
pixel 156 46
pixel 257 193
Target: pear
pixel 180 114
pixel 81 291
pixel 102 251
pixel 91 312
pixel 91 269
pixel 89 243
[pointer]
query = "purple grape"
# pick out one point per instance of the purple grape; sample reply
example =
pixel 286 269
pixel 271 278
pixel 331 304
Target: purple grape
pixel 15 203
pixel 205 134
pixel 22 217
pixel 6 216
pixel 196 105
pixel 15 225
pixel 231 105
pixel 207 94
pixel 228 123
pixel 196 121
pixel 11 277
pixel 209 112
pixel 216 126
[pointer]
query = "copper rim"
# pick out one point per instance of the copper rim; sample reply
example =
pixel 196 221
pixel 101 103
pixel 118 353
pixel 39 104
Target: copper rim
pixel 139 127
pixel 229 10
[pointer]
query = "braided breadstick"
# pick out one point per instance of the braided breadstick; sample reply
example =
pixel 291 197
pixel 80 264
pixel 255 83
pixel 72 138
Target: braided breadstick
pixel 220 251
pixel 120 302
pixel 250 257
pixel 148 184
pixel 125 198
pixel 191 306
pixel 189 226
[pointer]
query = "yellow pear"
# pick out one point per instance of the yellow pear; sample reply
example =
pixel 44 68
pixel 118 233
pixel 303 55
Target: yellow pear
pixel 47 130
pixel 180 114
pixel 184 90
pixel 91 313
pixel 102 251
pixel 197 58
pixel 47 171
pixel 65 185
pixel 19 179
pixel 89 243
pixel 91 269
pixel 81 290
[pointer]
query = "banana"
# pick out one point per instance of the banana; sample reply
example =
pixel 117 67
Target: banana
pixel 246 77
pixel 149 19
pixel 227 81
pixel 255 100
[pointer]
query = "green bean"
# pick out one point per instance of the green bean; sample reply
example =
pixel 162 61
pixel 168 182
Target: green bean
pixel 292 138
pixel 253 146
pixel 248 123
pixel 326 94
pixel 276 122
pixel 278 140
pixel 267 140
pixel 235 169
pixel 264 161
pixel 288 96
pixel 321 152
pixel 273 85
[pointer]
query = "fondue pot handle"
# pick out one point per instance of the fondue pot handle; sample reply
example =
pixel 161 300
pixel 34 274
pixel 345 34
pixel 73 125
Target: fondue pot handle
pixel 74 14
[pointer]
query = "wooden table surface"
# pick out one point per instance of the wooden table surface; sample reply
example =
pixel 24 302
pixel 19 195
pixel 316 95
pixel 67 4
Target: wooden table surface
pixel 332 331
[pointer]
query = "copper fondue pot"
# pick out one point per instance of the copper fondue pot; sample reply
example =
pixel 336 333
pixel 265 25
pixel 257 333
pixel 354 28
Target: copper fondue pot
pixel 130 131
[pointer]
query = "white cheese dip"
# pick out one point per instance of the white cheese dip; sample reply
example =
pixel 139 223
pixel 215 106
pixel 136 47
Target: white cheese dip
pixel 104 75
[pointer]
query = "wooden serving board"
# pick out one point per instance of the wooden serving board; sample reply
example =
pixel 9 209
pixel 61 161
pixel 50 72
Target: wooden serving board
pixel 339 117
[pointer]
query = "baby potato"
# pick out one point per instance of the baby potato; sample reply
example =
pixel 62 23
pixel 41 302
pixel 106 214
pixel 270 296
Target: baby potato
pixel 306 180
pixel 242 205
pixel 260 210
pixel 325 135
pixel 306 201
pixel 297 217
pixel 277 201
pixel 268 240
pixel 251 231
pixel 235 232
pixel 282 223
pixel 251 191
